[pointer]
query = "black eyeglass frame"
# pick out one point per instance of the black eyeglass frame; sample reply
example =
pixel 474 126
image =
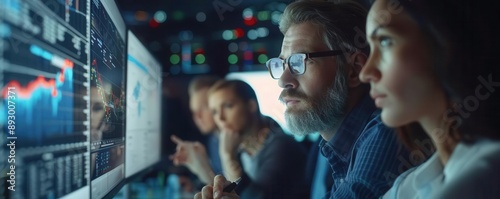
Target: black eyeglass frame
pixel 307 56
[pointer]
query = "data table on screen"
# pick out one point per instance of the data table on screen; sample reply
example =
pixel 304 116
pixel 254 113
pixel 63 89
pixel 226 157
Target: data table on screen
pixel 107 97
pixel 44 62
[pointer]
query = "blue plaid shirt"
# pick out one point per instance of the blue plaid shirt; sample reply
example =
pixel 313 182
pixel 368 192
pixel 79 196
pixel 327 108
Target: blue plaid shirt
pixel 364 154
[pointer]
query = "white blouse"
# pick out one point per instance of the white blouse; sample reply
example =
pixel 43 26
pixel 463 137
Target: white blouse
pixel 473 171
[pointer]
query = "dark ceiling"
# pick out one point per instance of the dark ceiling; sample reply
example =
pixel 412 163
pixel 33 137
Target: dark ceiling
pixel 206 35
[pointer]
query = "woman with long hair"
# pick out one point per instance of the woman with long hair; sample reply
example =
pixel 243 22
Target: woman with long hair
pixel 433 70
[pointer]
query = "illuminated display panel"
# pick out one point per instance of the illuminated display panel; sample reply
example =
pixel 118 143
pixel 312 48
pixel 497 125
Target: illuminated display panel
pixel 143 128
pixel 107 97
pixel 44 70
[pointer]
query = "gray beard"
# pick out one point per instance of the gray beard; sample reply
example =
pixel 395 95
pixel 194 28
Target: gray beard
pixel 322 115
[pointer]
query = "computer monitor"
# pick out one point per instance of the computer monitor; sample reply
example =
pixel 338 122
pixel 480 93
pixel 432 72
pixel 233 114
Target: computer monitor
pixel 44 69
pixel 143 127
pixel 107 97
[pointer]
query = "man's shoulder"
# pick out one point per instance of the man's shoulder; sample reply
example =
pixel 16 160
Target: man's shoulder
pixel 377 137
pixel 376 129
pixel 375 120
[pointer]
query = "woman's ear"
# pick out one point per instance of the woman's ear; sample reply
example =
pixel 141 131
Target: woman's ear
pixel 357 60
pixel 252 105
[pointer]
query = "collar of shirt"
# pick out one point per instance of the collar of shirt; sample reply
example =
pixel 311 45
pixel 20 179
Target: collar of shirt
pixel 431 173
pixel 463 156
pixel 430 179
pixel 340 146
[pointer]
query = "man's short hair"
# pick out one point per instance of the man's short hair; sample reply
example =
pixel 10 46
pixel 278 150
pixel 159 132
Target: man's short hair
pixel 343 24
pixel 201 82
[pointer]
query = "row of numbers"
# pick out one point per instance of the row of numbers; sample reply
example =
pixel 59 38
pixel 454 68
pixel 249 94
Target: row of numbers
pixel 11 110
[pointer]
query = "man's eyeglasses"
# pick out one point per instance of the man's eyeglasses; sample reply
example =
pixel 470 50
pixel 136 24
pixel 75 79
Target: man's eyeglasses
pixel 296 62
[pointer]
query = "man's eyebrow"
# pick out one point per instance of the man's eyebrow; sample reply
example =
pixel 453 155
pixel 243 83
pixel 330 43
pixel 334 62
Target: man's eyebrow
pixel 298 51
pixel 374 32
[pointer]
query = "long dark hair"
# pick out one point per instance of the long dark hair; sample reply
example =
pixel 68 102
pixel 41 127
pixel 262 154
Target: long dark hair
pixel 464 38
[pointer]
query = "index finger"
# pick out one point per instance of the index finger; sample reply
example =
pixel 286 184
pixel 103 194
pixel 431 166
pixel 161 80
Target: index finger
pixel 176 139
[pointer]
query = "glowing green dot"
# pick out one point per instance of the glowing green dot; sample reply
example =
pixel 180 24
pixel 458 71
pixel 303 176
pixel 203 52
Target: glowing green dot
pixel 175 59
pixel 232 59
pixel 262 58
pixel 263 15
pixel 199 58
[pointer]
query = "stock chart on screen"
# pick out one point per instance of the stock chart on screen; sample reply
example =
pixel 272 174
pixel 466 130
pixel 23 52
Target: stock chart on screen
pixel 44 72
pixel 107 97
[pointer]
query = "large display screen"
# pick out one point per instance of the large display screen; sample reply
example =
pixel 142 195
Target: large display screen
pixel 44 70
pixel 143 128
pixel 107 97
